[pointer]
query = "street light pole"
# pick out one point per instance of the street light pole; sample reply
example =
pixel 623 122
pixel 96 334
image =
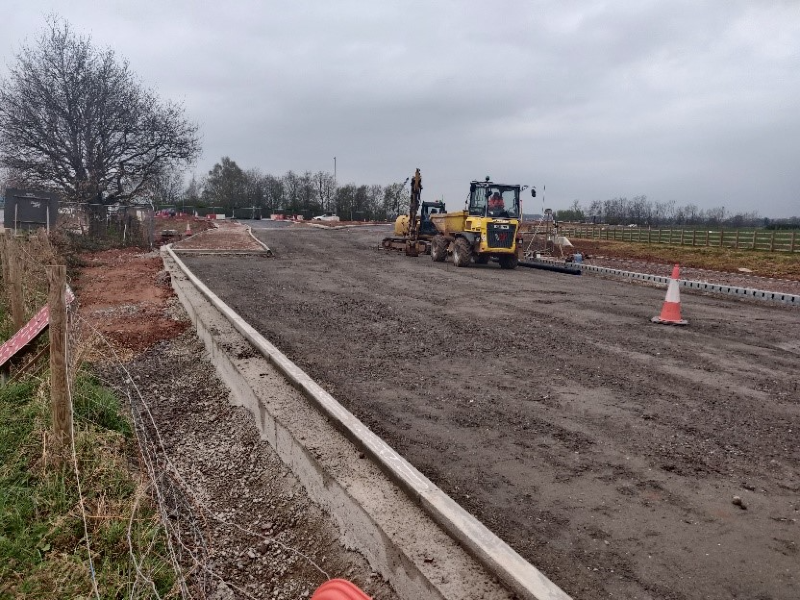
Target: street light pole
pixel 334 169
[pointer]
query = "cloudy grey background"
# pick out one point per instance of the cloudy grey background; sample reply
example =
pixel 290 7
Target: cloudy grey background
pixel 692 101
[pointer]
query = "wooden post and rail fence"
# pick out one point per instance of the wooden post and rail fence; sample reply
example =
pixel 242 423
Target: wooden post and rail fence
pixel 738 239
pixel 53 317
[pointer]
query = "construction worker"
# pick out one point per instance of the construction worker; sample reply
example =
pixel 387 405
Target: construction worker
pixel 496 205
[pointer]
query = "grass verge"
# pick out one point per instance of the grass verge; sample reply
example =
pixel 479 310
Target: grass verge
pixel 43 550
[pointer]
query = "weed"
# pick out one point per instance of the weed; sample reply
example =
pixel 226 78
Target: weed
pixel 43 551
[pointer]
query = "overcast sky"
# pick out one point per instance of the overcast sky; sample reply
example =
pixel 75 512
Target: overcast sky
pixel 692 101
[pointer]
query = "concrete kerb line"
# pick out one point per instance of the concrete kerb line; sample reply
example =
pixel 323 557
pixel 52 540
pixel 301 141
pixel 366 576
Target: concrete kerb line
pixel 262 244
pixel 701 286
pixel 489 550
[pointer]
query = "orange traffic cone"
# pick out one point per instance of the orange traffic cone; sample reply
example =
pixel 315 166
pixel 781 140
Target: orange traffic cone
pixel 188 230
pixel 671 311
pixel 339 589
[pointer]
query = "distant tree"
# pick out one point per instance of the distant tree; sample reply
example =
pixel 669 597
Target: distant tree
pixel 325 186
pixel 291 188
pixel 167 188
pixel 254 189
pixel 308 196
pixel 226 185
pixel 596 211
pixel 573 214
pixel 396 197
pixel 194 191
pixel 345 200
pixel 375 210
pixel 715 216
pixel 273 194
pixel 75 119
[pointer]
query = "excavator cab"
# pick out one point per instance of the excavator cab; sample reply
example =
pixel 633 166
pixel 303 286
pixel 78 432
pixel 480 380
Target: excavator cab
pixel 426 226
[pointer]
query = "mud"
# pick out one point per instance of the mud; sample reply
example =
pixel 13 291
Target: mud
pixel 605 449
pixel 122 296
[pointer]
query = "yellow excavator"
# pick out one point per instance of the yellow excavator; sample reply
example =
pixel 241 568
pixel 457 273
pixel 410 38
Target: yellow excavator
pixel 414 232
pixel 487 229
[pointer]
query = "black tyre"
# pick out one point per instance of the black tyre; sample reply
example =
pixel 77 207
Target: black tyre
pixel 482 259
pixel 462 253
pixel 438 248
pixel 508 261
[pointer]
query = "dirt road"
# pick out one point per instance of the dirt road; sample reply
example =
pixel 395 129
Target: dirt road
pixel 605 449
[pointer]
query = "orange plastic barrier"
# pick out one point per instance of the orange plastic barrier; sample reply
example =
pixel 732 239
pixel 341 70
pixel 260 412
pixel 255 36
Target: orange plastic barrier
pixel 339 589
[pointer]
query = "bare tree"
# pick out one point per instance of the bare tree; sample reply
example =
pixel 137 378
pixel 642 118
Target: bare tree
pixel 194 191
pixel 396 197
pixel 375 203
pixel 308 195
pixel 275 199
pixel 75 118
pixel 325 185
pixel 167 188
pixel 291 188
pixel 255 188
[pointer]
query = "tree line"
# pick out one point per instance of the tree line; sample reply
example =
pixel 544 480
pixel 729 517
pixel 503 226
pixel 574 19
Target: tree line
pixel 642 212
pixel 228 187
pixel 76 120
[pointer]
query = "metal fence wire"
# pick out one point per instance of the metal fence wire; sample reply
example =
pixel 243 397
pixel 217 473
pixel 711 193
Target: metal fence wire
pixel 120 225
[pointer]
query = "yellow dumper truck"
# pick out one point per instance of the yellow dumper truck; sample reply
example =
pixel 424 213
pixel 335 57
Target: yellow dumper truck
pixel 488 228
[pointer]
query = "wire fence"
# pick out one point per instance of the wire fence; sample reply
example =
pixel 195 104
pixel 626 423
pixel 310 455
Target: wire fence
pixel 89 456
pixel 117 225
pixel 165 519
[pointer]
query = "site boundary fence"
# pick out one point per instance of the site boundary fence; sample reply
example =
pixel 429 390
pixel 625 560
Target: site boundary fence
pixel 124 225
pixel 32 277
pixel 737 239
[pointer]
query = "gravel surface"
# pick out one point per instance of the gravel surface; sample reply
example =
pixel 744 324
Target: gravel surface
pixel 623 458
pixel 226 235
pixel 244 526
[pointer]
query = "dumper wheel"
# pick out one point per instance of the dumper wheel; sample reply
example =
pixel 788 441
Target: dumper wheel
pixel 482 259
pixel 508 261
pixel 462 253
pixel 438 248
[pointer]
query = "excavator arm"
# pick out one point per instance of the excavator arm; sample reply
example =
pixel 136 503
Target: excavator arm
pixel 413 208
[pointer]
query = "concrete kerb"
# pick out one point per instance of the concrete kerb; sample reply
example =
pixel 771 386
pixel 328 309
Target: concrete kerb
pixel 262 244
pixel 701 286
pixel 495 555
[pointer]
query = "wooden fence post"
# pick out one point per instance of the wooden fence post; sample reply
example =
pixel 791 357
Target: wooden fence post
pixel 59 396
pixel 772 242
pixel 736 241
pixel 4 260
pixel 791 248
pixel 15 283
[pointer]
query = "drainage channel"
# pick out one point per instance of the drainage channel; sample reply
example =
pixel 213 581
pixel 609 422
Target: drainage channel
pixel 384 507
pixel 701 286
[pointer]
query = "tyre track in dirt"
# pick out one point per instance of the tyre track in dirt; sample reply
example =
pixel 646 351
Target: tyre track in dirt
pixel 603 448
